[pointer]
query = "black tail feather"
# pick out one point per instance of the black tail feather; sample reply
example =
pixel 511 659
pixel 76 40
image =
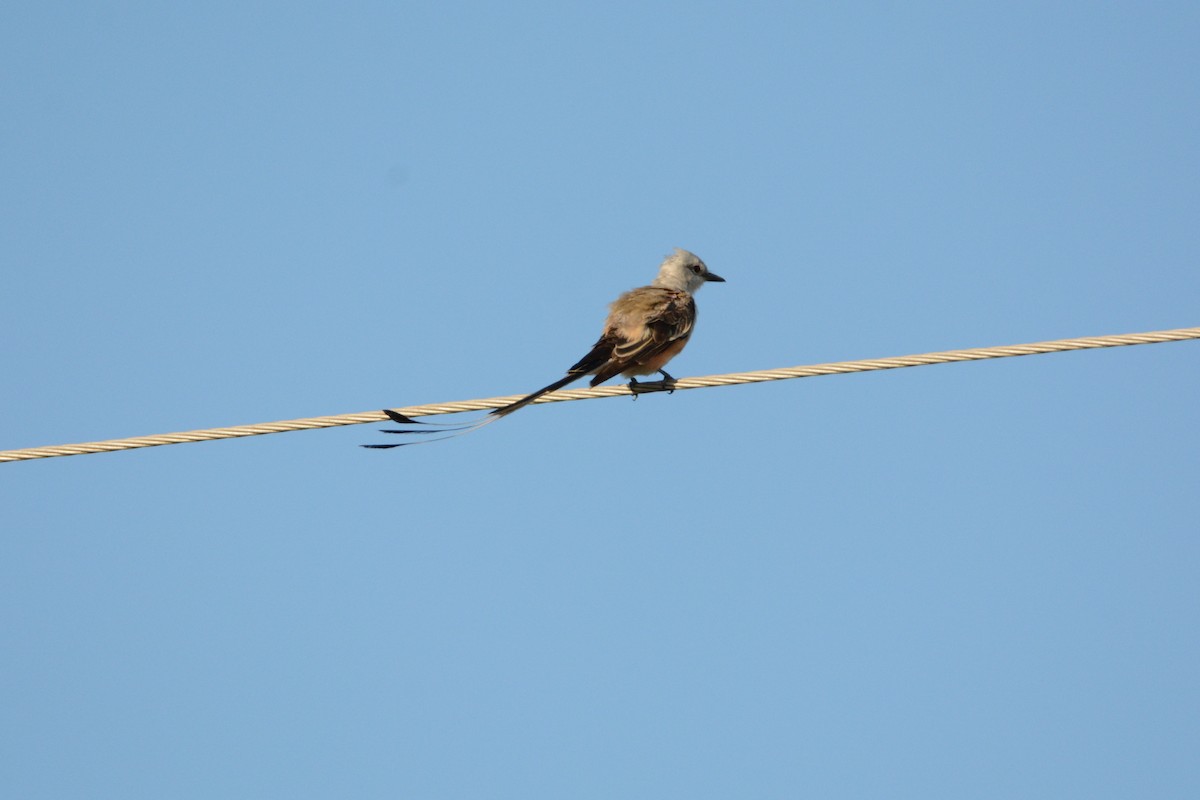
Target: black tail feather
pixel 599 354
pixel 396 416
pixel 529 398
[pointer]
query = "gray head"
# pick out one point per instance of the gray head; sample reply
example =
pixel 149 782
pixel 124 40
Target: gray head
pixel 685 272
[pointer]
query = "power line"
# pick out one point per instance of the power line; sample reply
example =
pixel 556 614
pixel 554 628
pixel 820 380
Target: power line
pixel 729 379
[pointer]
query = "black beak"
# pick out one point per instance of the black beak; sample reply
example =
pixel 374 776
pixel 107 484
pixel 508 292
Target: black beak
pixel 712 276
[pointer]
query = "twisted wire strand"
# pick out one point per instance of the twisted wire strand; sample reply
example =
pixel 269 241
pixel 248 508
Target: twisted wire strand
pixel 729 379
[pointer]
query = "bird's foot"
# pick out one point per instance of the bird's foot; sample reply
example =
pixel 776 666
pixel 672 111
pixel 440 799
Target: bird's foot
pixel 648 387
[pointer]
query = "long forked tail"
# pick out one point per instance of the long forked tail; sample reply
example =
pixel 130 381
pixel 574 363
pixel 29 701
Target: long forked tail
pixel 588 364
pixel 442 432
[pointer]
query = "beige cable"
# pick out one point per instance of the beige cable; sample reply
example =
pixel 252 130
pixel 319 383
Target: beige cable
pixel 730 379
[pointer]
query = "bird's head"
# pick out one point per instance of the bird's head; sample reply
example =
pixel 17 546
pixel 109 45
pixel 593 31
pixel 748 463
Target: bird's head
pixel 684 271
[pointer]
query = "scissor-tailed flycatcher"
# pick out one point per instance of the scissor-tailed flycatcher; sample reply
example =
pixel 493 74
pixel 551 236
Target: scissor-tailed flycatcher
pixel 646 328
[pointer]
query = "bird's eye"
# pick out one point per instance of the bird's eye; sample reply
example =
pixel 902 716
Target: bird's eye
pixel 696 268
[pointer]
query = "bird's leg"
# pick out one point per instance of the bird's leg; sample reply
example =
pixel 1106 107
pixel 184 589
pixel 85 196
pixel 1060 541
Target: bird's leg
pixel 667 384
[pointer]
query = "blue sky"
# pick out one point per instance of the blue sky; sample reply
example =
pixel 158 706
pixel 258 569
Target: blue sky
pixel 974 580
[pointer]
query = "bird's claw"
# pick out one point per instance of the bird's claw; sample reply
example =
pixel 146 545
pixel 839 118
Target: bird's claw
pixel 637 387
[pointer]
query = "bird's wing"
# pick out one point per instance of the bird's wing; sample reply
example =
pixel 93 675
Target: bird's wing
pixel 644 323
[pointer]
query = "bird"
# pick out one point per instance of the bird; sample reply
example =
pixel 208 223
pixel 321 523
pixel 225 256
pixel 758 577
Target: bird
pixel 646 327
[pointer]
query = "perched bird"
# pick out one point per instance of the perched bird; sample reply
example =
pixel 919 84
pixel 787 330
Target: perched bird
pixel 645 329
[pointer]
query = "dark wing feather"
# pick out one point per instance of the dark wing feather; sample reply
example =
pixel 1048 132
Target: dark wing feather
pixel 600 353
